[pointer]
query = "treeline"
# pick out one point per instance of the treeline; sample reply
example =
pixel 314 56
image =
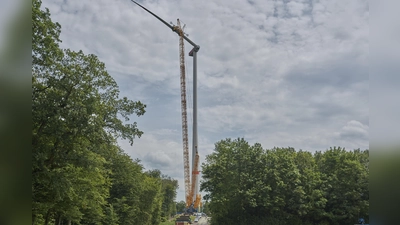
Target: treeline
pixel 251 185
pixel 79 174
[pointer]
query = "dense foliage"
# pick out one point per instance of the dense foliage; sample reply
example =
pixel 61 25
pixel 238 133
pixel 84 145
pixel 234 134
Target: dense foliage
pixel 180 206
pixel 251 185
pixel 79 174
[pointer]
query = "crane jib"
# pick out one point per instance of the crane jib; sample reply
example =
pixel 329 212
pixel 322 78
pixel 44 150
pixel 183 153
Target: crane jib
pixel 196 47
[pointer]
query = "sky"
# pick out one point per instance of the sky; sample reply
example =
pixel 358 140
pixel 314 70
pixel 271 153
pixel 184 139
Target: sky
pixel 280 73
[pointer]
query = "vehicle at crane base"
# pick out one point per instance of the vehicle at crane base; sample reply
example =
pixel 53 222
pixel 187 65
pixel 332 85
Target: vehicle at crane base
pixel 183 220
pixel 196 219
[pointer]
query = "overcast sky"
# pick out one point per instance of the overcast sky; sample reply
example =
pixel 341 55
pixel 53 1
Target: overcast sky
pixel 280 73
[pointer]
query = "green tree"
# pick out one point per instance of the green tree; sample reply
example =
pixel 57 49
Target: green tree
pixel 126 188
pixel 168 189
pixel 313 202
pixel 233 178
pixel 150 201
pixel 345 184
pixel 75 114
pixel 219 173
pixel 206 208
pixel 249 185
pixel 45 38
pixel 180 206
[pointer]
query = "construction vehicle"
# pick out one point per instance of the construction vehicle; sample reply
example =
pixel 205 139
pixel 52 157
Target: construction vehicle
pixel 193 198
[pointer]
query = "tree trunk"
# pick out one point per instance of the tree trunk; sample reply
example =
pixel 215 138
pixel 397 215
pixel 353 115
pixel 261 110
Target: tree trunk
pixel 46 220
pixel 33 219
pixel 58 220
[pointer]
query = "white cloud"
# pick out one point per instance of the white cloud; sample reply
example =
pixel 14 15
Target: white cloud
pixel 353 135
pixel 355 128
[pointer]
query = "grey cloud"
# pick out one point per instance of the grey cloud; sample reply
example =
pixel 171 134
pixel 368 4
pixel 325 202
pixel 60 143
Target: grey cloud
pixel 341 77
pixel 157 159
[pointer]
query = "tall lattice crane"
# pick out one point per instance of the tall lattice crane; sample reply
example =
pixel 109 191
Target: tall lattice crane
pixel 188 190
pixel 192 196
pixel 191 186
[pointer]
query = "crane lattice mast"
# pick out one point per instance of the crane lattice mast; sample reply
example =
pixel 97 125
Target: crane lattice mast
pixel 184 115
pixel 192 197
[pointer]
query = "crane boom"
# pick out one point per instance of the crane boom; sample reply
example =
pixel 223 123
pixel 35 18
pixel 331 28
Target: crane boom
pixel 184 115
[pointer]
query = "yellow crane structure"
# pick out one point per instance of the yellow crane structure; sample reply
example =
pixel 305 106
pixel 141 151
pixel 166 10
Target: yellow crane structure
pixel 186 167
pixel 192 195
pixel 192 198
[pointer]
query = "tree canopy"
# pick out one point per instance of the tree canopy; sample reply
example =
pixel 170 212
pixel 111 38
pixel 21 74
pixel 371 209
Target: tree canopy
pixel 251 185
